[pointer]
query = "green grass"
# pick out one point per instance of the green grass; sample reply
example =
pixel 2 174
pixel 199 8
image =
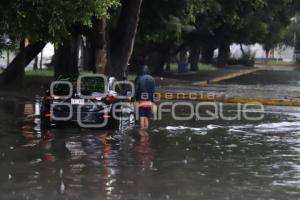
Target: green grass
pixel 174 68
pixel 47 72
pixel 131 77
pixel 40 72
pixel 207 67
pixel 274 62
pixel 50 73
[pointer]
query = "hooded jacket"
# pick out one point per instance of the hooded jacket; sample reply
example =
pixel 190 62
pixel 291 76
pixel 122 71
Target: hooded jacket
pixel 144 85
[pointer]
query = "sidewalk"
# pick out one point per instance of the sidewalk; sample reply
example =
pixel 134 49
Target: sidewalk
pixel 206 77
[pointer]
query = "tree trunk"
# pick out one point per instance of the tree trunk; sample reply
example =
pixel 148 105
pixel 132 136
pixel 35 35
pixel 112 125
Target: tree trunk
pixel 41 61
pixel 207 55
pixel 123 40
pixel 66 58
pixel 267 54
pixel 158 56
pixel 87 55
pixel 21 70
pixel 167 57
pixel 160 65
pixel 99 45
pixel 156 62
pixel 242 50
pixel 15 69
pixel 168 65
pixel 183 58
pixel 194 58
pixel 7 57
pixel 224 51
pixel 35 64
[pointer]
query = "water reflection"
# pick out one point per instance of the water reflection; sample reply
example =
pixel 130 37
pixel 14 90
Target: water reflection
pixel 143 151
pixel 86 160
pixel 193 160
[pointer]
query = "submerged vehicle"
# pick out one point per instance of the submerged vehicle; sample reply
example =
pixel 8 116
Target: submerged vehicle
pixel 90 102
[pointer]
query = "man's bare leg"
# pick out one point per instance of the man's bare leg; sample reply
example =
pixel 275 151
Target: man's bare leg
pixel 146 123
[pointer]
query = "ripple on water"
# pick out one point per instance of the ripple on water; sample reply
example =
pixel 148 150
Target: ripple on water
pixel 277 127
pixel 177 130
pixel 236 155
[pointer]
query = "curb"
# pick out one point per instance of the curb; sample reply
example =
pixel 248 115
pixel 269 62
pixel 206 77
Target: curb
pixel 213 98
pixel 227 77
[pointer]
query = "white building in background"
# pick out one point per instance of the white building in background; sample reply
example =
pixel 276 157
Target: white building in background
pixel 280 53
pixel 48 52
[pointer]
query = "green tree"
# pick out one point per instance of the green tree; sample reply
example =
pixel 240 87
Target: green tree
pixel 291 35
pixel 122 38
pixel 277 16
pixel 163 24
pixel 44 21
pixel 222 23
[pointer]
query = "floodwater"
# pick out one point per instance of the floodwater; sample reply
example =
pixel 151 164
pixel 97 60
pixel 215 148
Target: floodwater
pixel 193 159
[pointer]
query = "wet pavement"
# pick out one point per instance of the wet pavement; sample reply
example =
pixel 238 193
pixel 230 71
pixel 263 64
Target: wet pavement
pixel 273 76
pixel 189 78
pixel 280 83
pixel 219 159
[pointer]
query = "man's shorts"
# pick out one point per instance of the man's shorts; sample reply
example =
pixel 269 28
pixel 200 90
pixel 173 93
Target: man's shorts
pixel 145 112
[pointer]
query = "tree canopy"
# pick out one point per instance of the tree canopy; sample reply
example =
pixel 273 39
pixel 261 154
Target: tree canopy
pixel 158 29
pixel 49 20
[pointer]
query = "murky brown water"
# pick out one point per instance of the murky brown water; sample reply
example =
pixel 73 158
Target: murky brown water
pixel 180 160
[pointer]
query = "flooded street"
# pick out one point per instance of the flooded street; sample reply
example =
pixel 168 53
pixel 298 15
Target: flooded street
pixel 180 160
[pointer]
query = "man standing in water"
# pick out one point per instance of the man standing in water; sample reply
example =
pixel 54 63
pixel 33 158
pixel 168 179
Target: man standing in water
pixel 144 96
